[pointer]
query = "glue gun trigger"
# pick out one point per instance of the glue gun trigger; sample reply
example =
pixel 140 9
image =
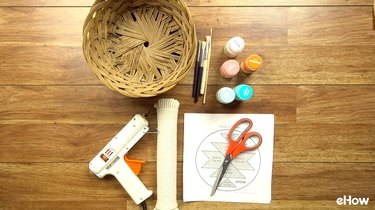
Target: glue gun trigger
pixel 134 165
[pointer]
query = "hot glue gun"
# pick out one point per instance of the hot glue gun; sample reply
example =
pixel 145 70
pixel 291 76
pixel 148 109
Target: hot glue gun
pixel 111 159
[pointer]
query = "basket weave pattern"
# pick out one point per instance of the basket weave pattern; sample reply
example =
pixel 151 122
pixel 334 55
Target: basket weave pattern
pixel 139 48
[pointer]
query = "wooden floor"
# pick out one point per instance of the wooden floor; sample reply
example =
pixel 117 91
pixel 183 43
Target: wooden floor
pixel 318 80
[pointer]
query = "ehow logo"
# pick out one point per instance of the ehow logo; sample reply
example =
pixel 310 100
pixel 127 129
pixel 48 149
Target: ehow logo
pixel 349 200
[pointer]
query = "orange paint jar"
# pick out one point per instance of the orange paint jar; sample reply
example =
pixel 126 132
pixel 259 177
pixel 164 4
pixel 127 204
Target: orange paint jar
pixel 251 64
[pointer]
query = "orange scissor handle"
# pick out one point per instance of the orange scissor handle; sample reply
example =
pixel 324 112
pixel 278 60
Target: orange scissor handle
pixel 233 143
pixel 242 147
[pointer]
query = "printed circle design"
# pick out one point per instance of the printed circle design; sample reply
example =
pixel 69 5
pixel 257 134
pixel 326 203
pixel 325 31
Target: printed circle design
pixel 210 156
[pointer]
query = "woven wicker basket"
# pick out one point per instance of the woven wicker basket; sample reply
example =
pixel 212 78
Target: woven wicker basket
pixel 139 48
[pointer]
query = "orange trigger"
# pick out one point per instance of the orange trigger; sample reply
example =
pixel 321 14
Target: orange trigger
pixel 135 165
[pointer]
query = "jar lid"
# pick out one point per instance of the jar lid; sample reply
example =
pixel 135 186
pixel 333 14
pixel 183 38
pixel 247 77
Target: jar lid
pixel 229 68
pixel 243 92
pixel 236 44
pixel 254 62
pixel 225 95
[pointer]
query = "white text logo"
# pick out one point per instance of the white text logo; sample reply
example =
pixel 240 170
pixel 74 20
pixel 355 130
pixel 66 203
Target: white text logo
pixel 349 200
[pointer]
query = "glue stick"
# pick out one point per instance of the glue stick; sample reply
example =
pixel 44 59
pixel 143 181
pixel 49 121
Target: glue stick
pixel 251 63
pixel 234 47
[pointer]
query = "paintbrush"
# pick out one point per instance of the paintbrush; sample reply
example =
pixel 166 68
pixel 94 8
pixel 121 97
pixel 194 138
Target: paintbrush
pixel 200 72
pixel 196 69
pixel 209 48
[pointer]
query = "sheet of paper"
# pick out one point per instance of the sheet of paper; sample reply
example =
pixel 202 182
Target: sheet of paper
pixel 248 178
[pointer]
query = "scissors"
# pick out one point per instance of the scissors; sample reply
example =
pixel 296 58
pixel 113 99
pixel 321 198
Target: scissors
pixel 237 146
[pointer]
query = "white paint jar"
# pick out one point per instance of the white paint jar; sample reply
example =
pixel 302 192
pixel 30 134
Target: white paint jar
pixel 234 47
pixel 225 95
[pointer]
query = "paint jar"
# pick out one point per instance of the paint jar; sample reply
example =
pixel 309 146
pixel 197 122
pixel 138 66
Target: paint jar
pixel 251 64
pixel 243 92
pixel 229 68
pixel 234 47
pixel 225 95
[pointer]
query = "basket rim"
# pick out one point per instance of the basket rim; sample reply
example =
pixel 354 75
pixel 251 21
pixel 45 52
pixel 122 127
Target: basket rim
pixel 134 88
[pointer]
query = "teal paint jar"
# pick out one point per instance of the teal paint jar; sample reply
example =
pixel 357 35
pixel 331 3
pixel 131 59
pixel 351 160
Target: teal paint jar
pixel 243 92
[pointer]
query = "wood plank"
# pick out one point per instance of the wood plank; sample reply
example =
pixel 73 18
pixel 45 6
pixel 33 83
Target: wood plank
pixel 344 63
pixel 73 182
pixel 199 3
pixel 281 3
pixel 46 25
pixel 264 25
pixel 66 205
pixel 299 65
pixel 68 142
pixel 65 65
pixel 55 115
pixel 330 26
pixel 99 205
pixel 72 143
pixel 22 64
pixel 322 181
pixel 275 204
pixel 68 104
pixel 324 143
pixel 49 3
pixel 38 25
pixel 336 104
pixel 328 65
pixel 98 104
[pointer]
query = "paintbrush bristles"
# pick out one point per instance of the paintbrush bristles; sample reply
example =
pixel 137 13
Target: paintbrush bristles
pixel 205 66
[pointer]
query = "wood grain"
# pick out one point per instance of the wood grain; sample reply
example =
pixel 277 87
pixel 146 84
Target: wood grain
pixel 330 26
pixel 260 25
pixel 42 25
pixel 67 205
pixel 280 3
pixel 65 65
pixel 318 80
pixel 73 143
pixel 38 24
pixel 39 3
pixel 73 182
pixel 307 59
pixel 336 105
pixel 98 104
pixel 123 205
pixel 275 204
pixel 199 3
pixel 301 65
pixel 324 143
pixel 43 65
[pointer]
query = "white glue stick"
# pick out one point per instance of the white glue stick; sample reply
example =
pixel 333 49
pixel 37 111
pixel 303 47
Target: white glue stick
pixel 167 113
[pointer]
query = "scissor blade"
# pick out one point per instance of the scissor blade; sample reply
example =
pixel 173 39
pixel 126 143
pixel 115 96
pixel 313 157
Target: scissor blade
pixel 218 179
pixel 221 173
